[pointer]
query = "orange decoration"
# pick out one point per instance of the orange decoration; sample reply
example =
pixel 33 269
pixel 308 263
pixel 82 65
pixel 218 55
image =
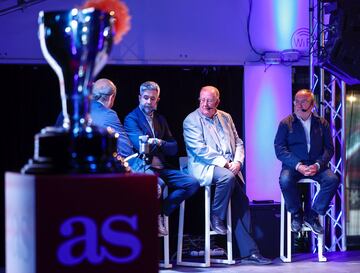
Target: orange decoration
pixel 118 10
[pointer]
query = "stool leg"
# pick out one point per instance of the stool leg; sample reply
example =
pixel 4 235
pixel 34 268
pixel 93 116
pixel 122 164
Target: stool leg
pixel 320 245
pixel 166 263
pixel 229 236
pixel 288 235
pixel 180 233
pixel 285 223
pixel 180 241
pixel 207 225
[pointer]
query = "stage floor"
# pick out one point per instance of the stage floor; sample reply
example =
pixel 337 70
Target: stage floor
pixel 338 262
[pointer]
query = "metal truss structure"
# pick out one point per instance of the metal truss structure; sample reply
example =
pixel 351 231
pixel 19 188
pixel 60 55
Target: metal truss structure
pixel 330 94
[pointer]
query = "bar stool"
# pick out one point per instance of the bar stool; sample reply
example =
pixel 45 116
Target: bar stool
pixel 166 261
pixel 287 222
pixel 207 259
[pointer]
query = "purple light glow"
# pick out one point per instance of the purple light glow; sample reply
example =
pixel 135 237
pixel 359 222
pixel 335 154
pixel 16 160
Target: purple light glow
pixel 267 98
pixel 275 22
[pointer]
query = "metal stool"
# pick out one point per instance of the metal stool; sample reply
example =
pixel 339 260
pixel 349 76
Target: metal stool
pixel 208 232
pixel 287 222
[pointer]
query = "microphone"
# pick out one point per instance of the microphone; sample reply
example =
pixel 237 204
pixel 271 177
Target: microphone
pixel 305 110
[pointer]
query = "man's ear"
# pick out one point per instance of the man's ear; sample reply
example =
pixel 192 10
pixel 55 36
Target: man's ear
pixel 217 104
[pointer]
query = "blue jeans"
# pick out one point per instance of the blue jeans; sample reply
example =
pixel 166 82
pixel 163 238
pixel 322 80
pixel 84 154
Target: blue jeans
pixel 181 186
pixel 328 181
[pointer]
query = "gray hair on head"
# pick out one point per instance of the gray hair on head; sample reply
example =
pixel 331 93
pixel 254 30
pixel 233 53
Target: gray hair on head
pixel 308 92
pixel 103 89
pixel 212 89
pixel 149 85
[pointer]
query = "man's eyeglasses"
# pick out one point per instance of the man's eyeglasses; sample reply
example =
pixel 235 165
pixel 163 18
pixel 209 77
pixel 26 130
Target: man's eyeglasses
pixel 302 102
pixel 208 101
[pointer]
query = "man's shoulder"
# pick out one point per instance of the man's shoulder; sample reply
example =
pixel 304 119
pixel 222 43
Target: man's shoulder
pixel 96 106
pixel 159 116
pixel 223 113
pixel 288 119
pixel 133 113
pixel 99 111
pixel 320 120
pixel 192 116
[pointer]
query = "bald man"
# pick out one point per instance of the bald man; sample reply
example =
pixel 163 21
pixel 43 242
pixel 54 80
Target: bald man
pixel 304 145
pixel 216 157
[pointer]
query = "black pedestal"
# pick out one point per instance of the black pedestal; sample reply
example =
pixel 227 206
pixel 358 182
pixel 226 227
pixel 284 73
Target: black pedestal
pixel 266 228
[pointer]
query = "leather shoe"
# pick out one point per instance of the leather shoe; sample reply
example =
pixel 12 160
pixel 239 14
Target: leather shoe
pixel 314 224
pixel 296 222
pixel 162 231
pixel 217 225
pixel 256 258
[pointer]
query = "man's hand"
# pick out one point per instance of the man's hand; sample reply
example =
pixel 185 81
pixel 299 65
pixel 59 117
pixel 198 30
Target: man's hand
pixel 308 170
pixel 311 170
pixel 155 141
pixel 302 169
pixel 235 167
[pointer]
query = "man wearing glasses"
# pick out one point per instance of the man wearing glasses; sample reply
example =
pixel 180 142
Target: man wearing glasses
pixel 216 156
pixel 304 145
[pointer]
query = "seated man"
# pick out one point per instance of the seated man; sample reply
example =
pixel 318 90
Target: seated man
pixel 304 145
pixel 216 156
pixel 144 120
pixel 103 97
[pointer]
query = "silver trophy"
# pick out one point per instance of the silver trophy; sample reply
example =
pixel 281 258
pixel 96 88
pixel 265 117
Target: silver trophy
pixel 76 43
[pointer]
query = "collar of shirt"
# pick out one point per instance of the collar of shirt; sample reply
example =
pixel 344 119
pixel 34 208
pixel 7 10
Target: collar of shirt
pixel 146 115
pixel 207 118
pixel 299 118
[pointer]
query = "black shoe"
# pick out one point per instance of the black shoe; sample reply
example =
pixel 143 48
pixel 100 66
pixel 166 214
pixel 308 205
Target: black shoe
pixel 256 258
pixel 217 225
pixel 296 222
pixel 314 224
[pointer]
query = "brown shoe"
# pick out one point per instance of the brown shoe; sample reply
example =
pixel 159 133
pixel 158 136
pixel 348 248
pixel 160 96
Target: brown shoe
pixel 161 226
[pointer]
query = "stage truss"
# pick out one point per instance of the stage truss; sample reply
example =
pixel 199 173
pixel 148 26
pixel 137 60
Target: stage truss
pixel 330 93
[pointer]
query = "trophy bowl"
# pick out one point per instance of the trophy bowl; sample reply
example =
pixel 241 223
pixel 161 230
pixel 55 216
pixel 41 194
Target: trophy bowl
pixel 76 43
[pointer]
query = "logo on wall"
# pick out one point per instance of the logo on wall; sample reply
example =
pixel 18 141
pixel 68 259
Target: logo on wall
pixel 84 240
pixel 300 39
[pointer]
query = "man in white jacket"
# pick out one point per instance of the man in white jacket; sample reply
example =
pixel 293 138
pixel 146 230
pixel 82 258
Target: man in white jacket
pixel 216 156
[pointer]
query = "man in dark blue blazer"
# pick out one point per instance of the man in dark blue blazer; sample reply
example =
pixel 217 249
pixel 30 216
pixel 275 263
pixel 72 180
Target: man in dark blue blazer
pixel 145 121
pixel 304 145
pixel 103 97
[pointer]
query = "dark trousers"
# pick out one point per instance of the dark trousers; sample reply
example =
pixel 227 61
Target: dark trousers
pixel 328 181
pixel 181 186
pixel 227 186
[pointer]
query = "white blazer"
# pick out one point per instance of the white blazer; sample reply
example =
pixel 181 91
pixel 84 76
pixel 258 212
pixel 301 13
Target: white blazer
pixel 203 147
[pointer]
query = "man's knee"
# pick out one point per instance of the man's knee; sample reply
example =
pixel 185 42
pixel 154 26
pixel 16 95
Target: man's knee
pixel 285 180
pixel 332 180
pixel 229 177
pixel 192 185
